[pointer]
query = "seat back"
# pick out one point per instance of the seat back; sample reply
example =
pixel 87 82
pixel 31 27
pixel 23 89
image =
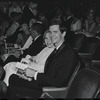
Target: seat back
pixel 96 54
pixel 78 40
pixel 86 84
pixel 95 62
pixel 78 67
pixel 55 92
pixel 89 45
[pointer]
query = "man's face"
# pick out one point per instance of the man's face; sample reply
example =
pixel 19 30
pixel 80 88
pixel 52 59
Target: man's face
pixel 33 7
pixel 33 20
pixel 57 36
pixel 33 33
pixel 24 27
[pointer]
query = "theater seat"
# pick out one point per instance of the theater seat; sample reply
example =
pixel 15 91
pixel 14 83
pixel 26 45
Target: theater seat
pixel 54 92
pixel 88 48
pixel 95 63
pixel 86 84
pixel 78 40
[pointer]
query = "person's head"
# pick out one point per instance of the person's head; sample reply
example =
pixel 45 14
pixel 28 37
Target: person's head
pixel 16 24
pixel 59 11
pixel 21 4
pixel 91 14
pixel 36 29
pixel 14 4
pixel 24 26
pixel 47 39
pixel 17 53
pixel 69 12
pixel 58 32
pixel 33 6
pixel 33 20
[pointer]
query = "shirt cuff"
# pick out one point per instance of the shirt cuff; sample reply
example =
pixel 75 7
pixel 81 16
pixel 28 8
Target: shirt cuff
pixel 35 76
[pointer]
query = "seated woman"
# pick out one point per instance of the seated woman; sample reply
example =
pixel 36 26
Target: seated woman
pixel 27 39
pixel 36 63
pixel 90 23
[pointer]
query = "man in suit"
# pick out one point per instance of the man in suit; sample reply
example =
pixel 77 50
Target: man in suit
pixel 36 31
pixel 58 68
pixel 70 18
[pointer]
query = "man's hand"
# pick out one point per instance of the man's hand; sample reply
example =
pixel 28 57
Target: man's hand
pixel 25 61
pixel 24 77
pixel 29 72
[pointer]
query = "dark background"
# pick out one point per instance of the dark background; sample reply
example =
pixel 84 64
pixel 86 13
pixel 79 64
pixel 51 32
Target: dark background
pixel 48 6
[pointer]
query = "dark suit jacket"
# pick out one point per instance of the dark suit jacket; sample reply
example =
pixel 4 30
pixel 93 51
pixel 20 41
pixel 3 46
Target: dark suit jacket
pixel 70 34
pixel 35 47
pixel 68 23
pixel 57 73
pixel 13 38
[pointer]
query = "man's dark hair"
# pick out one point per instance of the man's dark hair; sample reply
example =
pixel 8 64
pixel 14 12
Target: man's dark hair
pixel 62 26
pixel 38 27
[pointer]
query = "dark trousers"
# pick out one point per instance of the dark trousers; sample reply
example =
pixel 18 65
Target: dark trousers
pixel 21 88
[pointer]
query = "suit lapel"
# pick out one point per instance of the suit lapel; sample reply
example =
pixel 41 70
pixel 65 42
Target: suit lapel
pixel 49 61
pixel 60 48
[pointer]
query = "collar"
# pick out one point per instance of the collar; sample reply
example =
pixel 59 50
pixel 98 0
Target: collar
pixel 59 46
pixel 30 9
pixel 37 37
pixel 69 17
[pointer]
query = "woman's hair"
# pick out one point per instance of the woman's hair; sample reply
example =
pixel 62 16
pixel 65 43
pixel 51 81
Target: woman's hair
pixel 44 35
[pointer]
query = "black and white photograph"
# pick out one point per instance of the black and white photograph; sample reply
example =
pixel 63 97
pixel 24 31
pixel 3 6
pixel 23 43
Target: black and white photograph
pixel 49 49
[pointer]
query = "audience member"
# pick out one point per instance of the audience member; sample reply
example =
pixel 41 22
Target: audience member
pixel 69 20
pixel 96 30
pixel 26 36
pixel 90 22
pixel 13 31
pixel 42 19
pixel 76 25
pixel 14 8
pixel 36 31
pixel 30 11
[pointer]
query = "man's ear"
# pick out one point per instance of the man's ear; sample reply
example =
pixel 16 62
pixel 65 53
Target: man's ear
pixel 64 33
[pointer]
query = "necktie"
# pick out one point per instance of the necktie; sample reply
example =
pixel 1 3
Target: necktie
pixel 50 58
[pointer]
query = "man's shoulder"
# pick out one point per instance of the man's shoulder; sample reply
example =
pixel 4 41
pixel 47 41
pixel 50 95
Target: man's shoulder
pixel 40 38
pixel 67 49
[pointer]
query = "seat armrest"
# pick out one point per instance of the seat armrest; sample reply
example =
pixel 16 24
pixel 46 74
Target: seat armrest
pixel 84 54
pixel 76 49
pixel 54 92
pixel 54 89
pixel 96 61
